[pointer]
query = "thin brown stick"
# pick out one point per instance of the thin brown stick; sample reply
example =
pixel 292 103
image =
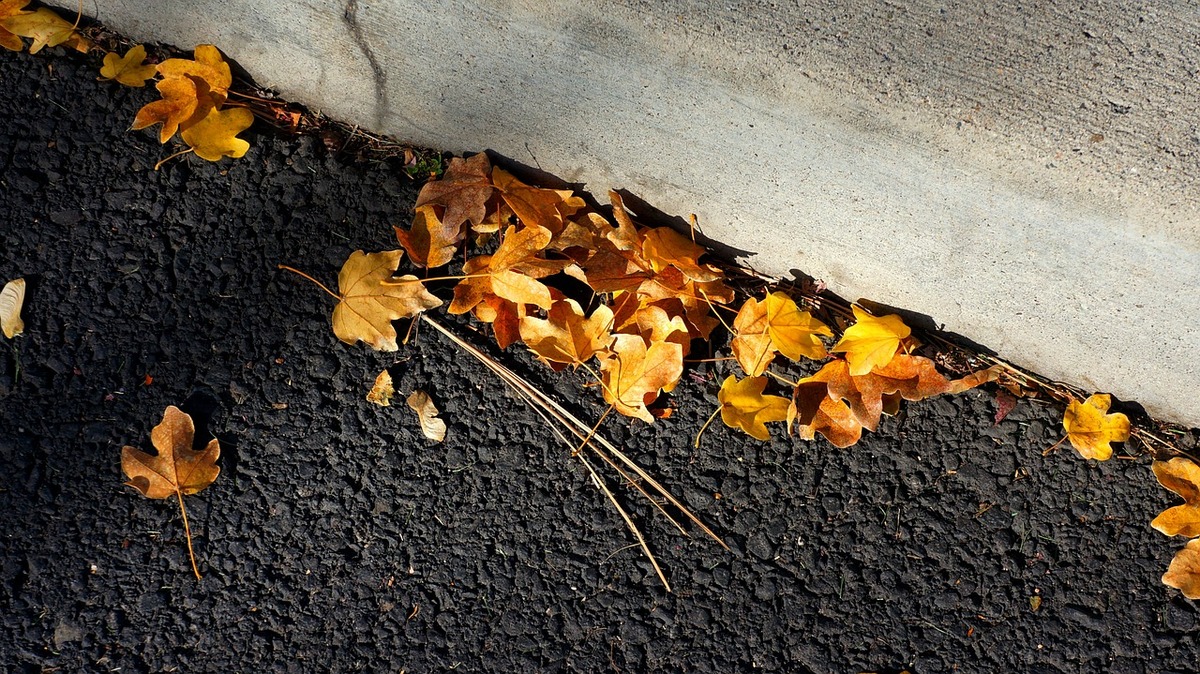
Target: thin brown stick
pixel 187 530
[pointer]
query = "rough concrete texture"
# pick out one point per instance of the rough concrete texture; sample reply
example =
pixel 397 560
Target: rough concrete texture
pixel 1025 173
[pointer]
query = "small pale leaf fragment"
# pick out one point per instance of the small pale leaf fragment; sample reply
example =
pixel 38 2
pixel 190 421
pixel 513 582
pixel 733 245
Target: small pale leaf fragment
pixel 383 390
pixel 431 426
pixel 12 298
pixel 1184 572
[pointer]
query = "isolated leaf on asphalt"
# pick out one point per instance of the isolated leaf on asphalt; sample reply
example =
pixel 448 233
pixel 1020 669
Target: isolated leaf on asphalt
pixel 12 299
pixel 45 28
pixel 215 136
pixel 633 374
pixel 565 336
pixel 10 8
pixel 432 427
pixel 382 391
pixel 775 324
pixel 177 468
pixel 1181 476
pixel 369 305
pixel 871 341
pixel 744 406
pixel 176 107
pixel 1184 572
pixel 130 69
pixel 1090 429
pixel 426 240
pixel 463 191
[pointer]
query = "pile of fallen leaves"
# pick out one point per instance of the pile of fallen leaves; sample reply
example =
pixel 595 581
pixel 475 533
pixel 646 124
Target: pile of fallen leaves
pixel 627 303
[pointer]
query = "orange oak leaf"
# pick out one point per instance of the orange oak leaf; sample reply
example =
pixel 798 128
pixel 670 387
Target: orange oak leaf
pixel 370 299
pixel 565 337
pixel 814 411
pixel 633 374
pixel 11 8
pixel 1184 572
pixel 1090 429
pixel 744 406
pixel 775 324
pixel 871 341
pixel 1181 476
pixel 215 136
pixel 177 470
pixel 130 69
pixel 463 191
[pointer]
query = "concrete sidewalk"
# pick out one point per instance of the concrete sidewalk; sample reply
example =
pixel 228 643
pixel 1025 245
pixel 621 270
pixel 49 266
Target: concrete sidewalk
pixel 1025 175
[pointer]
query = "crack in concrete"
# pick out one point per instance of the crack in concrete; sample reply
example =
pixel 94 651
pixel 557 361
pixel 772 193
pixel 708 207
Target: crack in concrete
pixel 350 18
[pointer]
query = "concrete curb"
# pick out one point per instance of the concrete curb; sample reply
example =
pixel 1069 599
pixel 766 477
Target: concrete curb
pixel 1026 177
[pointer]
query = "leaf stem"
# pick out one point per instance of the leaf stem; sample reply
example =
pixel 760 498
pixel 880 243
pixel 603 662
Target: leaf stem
pixel 705 426
pixel 781 380
pixel 402 281
pixel 319 284
pixel 187 530
pixel 177 154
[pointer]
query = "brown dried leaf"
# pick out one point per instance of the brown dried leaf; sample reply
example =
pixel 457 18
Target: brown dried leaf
pixel 1182 476
pixel 814 411
pixel 426 240
pixel 912 377
pixel 535 206
pixel 177 468
pixel 663 247
pixel 775 324
pixel 432 427
pixel 463 191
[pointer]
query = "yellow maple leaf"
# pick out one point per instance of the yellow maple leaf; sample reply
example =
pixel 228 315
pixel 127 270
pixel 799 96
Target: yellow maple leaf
pixel 368 305
pixel 633 374
pixel 46 29
pixel 775 324
pixel 1181 476
pixel 10 8
pixel 565 336
pixel 176 107
pixel 871 341
pixel 1090 429
pixel 512 272
pixel 1184 572
pixel 215 136
pixel 744 406
pixel 207 67
pixel 130 69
